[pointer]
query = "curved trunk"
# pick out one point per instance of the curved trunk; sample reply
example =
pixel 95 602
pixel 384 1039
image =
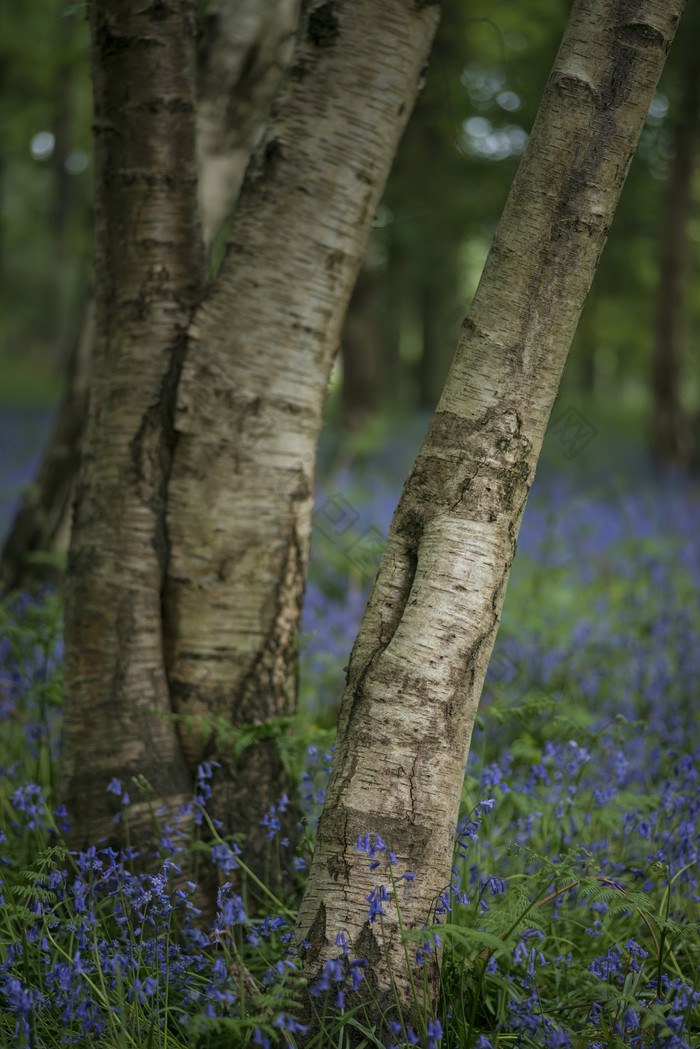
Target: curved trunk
pixel 254 383
pixel 418 665
pixel 148 276
pixel 672 438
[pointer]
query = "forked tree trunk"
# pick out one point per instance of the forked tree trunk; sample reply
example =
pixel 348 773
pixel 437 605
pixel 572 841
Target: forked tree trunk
pixel 254 383
pixel 418 665
pixel 149 266
pixel 241 55
pixel 672 437
pixel 258 354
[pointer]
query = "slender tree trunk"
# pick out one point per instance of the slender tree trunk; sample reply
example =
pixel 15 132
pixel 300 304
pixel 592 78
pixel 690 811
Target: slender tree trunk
pixel 672 438
pixel 254 382
pixel 364 386
pixel 437 305
pixel 418 665
pixel 148 277
pixel 585 348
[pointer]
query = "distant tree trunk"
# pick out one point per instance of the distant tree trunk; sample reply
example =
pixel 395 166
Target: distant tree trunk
pixel 41 529
pixel 672 436
pixel 437 306
pixel 254 382
pixel 245 47
pixel 241 56
pixel 62 292
pixel 586 350
pixel 364 382
pixel 419 661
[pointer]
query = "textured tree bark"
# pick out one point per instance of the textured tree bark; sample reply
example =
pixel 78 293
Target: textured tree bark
pixel 148 277
pixel 672 437
pixel 418 665
pixel 255 378
pixel 240 60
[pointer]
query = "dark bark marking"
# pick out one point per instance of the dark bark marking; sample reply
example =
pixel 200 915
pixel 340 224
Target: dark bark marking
pixel 159 11
pixel 334 259
pixel 337 828
pixel 367 947
pixel 299 71
pixel 316 935
pixel 639 35
pixel 323 26
pixel 152 448
pixel 259 679
pixel 273 153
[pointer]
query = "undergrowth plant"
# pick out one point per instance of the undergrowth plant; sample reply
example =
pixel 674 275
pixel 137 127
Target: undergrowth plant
pixel 572 917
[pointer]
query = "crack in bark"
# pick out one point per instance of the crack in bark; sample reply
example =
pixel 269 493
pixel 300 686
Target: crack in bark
pixel 323 26
pixel 279 645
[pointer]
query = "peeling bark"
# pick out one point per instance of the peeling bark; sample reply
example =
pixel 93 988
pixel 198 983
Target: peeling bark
pixel 418 665
pixel 255 377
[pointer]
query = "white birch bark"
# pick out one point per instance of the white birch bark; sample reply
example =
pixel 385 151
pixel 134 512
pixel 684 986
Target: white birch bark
pixel 255 377
pixel 418 665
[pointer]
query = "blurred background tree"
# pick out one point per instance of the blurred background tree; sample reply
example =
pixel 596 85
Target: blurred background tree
pixel 446 191
pixel 45 192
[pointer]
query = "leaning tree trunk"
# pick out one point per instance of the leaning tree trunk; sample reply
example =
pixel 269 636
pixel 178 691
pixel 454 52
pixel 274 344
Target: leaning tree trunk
pixel 254 383
pixel 418 665
pixel 149 264
pixel 672 437
pixel 241 55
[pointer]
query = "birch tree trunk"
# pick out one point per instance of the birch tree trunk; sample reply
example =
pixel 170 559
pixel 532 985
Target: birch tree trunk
pixel 418 665
pixel 672 436
pixel 258 354
pixel 149 265
pixel 243 51
pixel 254 383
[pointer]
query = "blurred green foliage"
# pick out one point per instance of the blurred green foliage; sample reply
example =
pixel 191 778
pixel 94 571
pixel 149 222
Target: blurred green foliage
pixel 45 190
pixel 432 231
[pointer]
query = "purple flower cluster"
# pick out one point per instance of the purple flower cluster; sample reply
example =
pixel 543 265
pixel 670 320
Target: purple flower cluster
pixel 572 912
